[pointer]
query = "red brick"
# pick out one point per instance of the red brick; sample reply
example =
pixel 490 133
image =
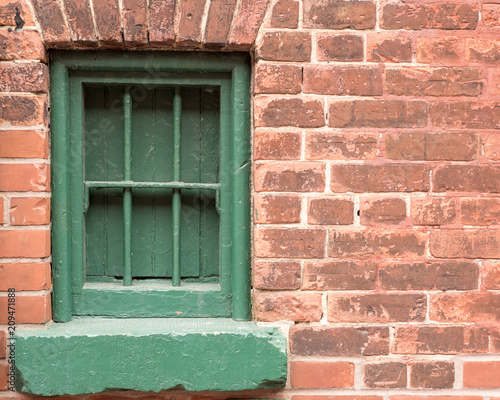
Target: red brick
pixel 339 47
pixel 4 370
pixel 385 375
pixel 376 307
pixel 247 23
pixel 8 13
pixel 466 114
pixel 277 112
pixel 278 78
pixel 491 145
pixel 404 16
pixel 481 374
pixel 24 243
pixel 326 79
pixel 297 307
pixel 25 276
pixel 494 80
pixel 2 210
pixel 433 210
pixel 378 114
pixel 321 374
pixel 285 14
pixel 389 48
pixel 290 177
pixel 161 22
pixel 333 397
pixel 362 178
pixel 434 81
pixel 51 20
pixel 491 275
pixel 338 14
pixel 465 307
pixel 495 340
pixel 340 146
pixel 108 24
pixel 465 244
pixel 339 341
pixel 433 275
pixel 330 211
pixel 24 144
pixel 490 15
pixel 446 50
pixel 388 210
pixel 430 16
pixel 15 77
pixel 21 45
pixel 452 397
pixel 485 50
pixel 285 46
pixel 467 178
pixel 480 211
pixel 29 309
pixel 339 275
pixel 3 344
pixel 271 209
pixel 276 275
pixel 432 375
pixel 430 146
pixel 24 177
pixel 135 23
pixel 290 243
pixel 29 210
pixel 220 16
pixel 80 21
pixel 23 110
pixel 369 243
pixel 439 340
pixel 269 145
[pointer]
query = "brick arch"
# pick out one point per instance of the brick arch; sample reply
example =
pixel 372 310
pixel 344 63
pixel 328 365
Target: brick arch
pixel 181 24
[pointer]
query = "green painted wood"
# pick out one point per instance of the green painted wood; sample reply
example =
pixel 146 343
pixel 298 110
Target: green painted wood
pixel 60 207
pixel 76 193
pixel 176 193
pixel 127 193
pixel 207 157
pixel 152 63
pixel 91 355
pixel 152 126
pixel 149 300
pixel 241 192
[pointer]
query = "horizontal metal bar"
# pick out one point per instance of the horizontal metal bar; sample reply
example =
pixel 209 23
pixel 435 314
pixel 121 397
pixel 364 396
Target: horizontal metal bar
pixel 150 80
pixel 153 185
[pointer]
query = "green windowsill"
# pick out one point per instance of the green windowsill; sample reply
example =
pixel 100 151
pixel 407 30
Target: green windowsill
pixel 92 355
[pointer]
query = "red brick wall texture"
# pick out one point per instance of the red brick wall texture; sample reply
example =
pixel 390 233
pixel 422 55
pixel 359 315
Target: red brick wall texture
pixel 376 179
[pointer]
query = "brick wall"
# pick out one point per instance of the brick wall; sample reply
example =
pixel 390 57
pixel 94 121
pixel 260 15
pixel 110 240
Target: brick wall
pixel 375 187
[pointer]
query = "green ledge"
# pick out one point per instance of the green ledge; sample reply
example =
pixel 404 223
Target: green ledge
pixel 91 355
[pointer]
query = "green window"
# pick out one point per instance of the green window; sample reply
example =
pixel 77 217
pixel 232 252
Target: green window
pixel 150 184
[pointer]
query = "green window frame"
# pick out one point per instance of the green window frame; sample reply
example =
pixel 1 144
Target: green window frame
pixel 74 294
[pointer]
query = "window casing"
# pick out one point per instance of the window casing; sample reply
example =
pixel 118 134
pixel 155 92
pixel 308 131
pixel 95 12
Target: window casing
pixel 150 184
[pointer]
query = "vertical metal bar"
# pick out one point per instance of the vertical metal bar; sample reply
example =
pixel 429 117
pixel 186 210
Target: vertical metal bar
pixel 176 195
pixel 240 188
pixel 61 212
pixel 127 193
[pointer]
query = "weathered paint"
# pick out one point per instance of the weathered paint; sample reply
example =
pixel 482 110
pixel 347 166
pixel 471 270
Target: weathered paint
pixel 227 79
pixel 90 355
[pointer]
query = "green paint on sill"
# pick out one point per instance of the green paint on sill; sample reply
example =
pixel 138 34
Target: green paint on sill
pixel 91 355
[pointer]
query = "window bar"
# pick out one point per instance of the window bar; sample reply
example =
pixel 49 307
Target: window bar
pixel 127 192
pixel 176 195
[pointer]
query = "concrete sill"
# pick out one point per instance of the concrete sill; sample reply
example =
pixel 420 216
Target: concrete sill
pixel 92 355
